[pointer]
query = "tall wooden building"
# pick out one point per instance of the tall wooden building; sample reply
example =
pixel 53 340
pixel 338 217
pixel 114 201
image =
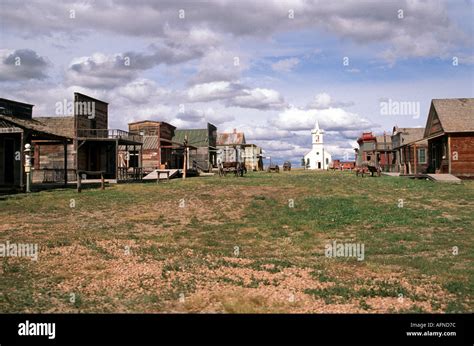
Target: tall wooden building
pixel 375 150
pixel 157 143
pixel 203 142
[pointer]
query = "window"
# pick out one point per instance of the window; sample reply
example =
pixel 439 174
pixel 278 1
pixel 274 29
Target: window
pixel 421 155
pixel 327 161
pixel 317 153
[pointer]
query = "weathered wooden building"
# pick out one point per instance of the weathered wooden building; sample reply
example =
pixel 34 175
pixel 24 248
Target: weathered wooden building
pixel 410 150
pixel 230 147
pixel 253 157
pixel 18 128
pixel 159 151
pixel 375 150
pixel 449 131
pixel 64 146
pixel 203 145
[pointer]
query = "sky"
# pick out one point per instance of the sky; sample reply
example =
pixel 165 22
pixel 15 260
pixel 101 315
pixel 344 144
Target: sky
pixel 270 69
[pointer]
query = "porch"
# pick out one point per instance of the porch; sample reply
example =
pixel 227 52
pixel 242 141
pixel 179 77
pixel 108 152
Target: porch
pixel 117 153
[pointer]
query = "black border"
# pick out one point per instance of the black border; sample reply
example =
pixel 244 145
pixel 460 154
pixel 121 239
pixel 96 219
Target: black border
pixel 238 329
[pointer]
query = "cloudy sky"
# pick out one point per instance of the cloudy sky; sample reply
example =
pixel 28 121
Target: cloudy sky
pixel 268 68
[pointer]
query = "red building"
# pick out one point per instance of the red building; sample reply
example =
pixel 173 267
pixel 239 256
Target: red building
pixel 450 134
pixel 375 151
pixel 343 165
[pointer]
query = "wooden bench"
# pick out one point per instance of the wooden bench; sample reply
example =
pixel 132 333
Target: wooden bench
pixel 165 171
pixel 79 178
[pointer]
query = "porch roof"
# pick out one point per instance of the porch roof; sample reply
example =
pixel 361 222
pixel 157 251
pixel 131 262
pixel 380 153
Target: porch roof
pixel 31 125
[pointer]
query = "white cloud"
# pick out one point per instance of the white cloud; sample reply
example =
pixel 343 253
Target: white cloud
pixel 264 133
pixel 258 98
pixel 362 22
pixel 213 91
pixel 236 95
pixel 285 65
pixel 331 119
pixel 324 100
pixel 141 91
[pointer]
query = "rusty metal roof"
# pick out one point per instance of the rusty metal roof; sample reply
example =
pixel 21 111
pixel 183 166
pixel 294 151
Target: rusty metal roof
pixel 230 138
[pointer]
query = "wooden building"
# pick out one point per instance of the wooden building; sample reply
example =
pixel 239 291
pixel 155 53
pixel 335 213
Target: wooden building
pixel 410 150
pixel 375 150
pixel 18 128
pixel 450 134
pixel 253 157
pixel 230 147
pixel 203 145
pixel 64 146
pixel 159 151
pixel 343 165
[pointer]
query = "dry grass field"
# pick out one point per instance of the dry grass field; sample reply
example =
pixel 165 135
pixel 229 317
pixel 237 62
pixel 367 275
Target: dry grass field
pixel 243 245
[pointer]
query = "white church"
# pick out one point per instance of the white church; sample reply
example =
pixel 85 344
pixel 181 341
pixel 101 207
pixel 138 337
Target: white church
pixel 318 157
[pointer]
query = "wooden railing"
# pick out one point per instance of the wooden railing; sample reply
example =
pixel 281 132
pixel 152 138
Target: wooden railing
pixel 109 133
pixel 52 175
pixel 129 173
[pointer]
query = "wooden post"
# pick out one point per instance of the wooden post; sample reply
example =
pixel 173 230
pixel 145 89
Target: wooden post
pixel 22 160
pixel 65 162
pixel 116 161
pixel 414 157
pixel 449 155
pixel 185 165
pixel 102 182
pixel 78 181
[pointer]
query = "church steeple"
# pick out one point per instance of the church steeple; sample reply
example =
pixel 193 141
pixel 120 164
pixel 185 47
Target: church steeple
pixel 316 127
pixel 317 135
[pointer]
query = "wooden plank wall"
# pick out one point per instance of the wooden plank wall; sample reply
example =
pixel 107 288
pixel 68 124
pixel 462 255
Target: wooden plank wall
pixel 464 146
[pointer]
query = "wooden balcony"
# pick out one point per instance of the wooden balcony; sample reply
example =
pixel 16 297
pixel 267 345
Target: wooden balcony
pixel 108 134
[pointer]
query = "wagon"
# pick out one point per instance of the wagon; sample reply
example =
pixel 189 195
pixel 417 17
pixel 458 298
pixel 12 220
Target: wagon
pixel 367 168
pixel 273 168
pixel 287 166
pixel 237 168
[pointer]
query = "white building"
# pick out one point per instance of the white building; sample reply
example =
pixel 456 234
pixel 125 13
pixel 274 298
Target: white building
pixel 318 157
